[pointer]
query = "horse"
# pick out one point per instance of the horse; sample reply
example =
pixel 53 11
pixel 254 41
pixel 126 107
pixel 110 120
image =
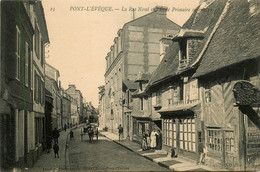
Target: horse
pixel 90 134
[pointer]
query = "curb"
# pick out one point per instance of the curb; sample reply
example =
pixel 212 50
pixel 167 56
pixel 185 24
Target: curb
pixel 159 163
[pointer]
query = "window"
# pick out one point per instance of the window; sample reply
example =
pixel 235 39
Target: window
pixel 26 75
pixel 183 60
pixel 207 92
pixel 170 132
pixel 229 141
pixel 214 140
pixel 36 87
pixel 31 67
pixel 39 89
pixel 187 134
pixel 141 104
pixel 175 94
pixel 18 53
pixel 37 40
pixel 181 91
pixel 42 53
pixel 42 92
pixel 158 97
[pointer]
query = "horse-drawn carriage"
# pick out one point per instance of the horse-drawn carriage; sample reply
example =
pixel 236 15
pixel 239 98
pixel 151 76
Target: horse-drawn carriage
pixel 91 129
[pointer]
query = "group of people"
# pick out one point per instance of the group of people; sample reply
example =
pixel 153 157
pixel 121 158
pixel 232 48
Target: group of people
pixel 152 140
pixel 55 138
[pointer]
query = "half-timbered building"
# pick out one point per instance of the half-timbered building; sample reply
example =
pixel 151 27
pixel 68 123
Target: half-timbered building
pixel 229 73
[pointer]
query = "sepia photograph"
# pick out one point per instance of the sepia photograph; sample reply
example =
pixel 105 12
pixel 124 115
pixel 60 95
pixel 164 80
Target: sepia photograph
pixel 120 85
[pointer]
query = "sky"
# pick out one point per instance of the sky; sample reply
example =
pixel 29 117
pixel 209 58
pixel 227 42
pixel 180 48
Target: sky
pixel 80 39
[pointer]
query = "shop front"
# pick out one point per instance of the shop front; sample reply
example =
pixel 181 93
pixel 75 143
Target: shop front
pixel 182 130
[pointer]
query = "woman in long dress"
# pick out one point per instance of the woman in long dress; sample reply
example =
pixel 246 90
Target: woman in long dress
pixel 153 139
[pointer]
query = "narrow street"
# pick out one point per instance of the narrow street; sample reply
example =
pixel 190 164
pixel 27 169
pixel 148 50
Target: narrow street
pixel 103 154
pixel 106 155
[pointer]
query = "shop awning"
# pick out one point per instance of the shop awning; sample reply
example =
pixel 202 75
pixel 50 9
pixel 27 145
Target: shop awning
pixel 179 109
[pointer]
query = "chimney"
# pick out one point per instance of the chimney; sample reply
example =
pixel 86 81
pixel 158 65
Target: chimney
pixel 165 42
pixel 161 10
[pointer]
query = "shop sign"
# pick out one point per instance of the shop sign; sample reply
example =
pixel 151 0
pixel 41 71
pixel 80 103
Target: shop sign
pixel 246 93
pixel 194 91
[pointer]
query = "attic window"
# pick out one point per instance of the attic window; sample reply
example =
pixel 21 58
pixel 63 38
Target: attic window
pixel 183 60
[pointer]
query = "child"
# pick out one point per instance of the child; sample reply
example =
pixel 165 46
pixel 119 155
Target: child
pixel 56 149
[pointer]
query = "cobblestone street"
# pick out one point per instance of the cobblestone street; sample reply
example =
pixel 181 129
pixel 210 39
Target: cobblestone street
pixel 106 155
pixel 103 154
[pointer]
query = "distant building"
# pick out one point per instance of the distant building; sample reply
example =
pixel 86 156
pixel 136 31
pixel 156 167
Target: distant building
pixel 65 108
pixel 136 49
pixel 52 85
pixel 74 112
pixel 77 95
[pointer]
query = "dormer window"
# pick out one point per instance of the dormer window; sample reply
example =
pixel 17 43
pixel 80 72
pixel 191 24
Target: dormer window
pixel 183 59
pixel 189 42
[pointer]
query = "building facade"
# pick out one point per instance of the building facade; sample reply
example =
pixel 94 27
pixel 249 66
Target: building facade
pixel 77 95
pixel 52 85
pixel 22 142
pixel 202 92
pixel 74 112
pixel 65 109
pixel 101 106
pixel 135 49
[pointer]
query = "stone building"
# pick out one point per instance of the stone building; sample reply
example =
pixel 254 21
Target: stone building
pixel 52 85
pixel 77 95
pixel 101 106
pixel 135 49
pixel 65 108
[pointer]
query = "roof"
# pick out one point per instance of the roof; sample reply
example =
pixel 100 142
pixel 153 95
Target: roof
pixel 131 84
pixel 179 109
pixel 189 33
pixel 141 76
pixel 237 39
pixel 202 19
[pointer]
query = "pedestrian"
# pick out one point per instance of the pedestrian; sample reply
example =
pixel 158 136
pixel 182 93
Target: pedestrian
pixel 55 135
pixel 65 127
pixel 153 139
pixel 173 154
pixel 71 135
pixel 148 139
pixel 49 140
pixel 120 131
pixel 56 149
pixel 203 155
pixel 159 139
pixel 144 142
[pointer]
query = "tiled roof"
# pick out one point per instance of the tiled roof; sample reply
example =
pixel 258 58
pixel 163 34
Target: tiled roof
pixel 201 20
pixel 131 84
pixel 237 39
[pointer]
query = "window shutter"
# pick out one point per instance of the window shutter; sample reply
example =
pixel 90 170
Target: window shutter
pixel 35 84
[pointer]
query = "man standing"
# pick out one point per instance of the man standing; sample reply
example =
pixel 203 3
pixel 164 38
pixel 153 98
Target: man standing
pixel 120 131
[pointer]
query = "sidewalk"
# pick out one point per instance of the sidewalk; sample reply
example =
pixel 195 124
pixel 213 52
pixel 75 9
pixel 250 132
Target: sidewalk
pixel 160 157
pixel 47 162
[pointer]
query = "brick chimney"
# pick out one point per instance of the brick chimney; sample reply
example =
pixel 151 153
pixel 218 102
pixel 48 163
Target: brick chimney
pixel 161 10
